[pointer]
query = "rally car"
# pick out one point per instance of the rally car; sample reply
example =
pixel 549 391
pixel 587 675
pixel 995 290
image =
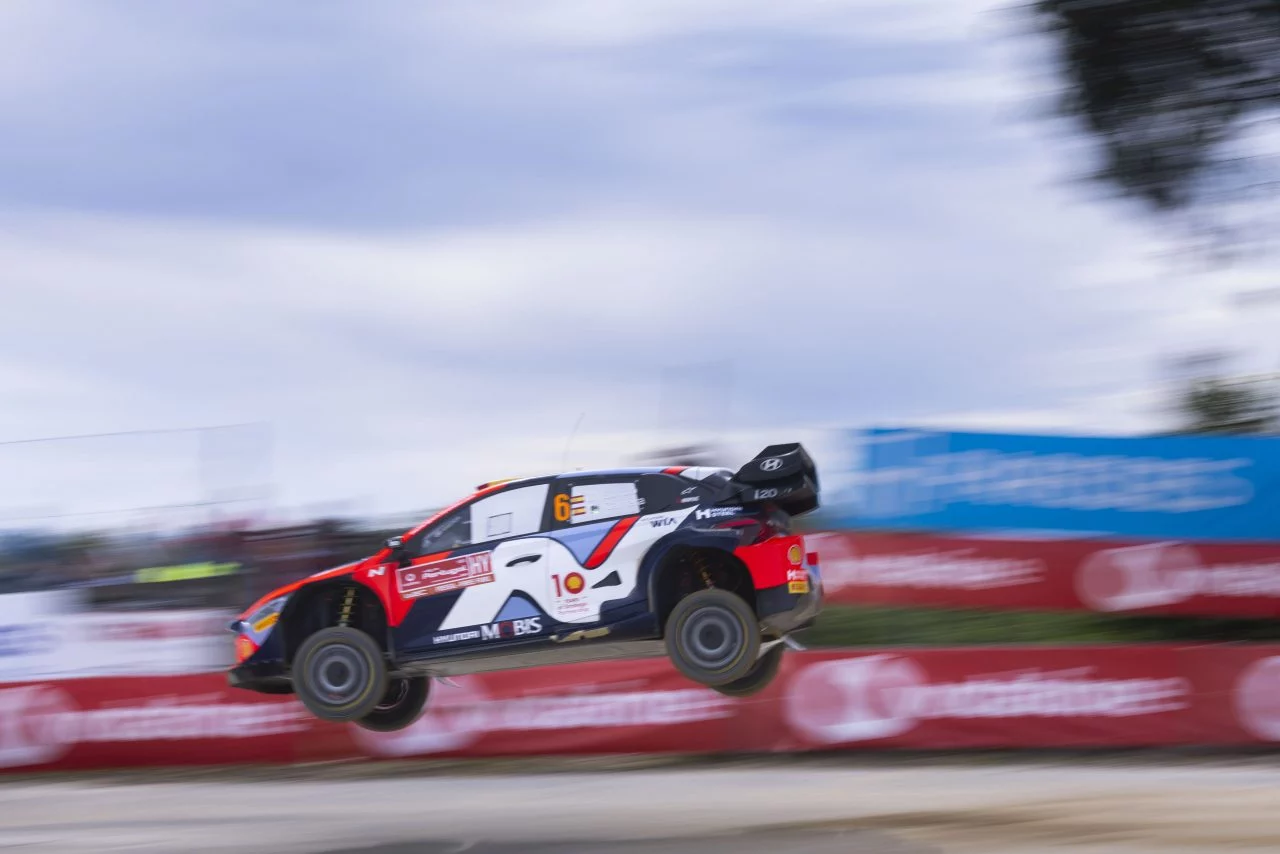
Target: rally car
pixel 695 563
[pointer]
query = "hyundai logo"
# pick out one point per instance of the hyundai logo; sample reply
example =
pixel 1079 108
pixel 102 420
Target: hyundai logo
pixel 771 464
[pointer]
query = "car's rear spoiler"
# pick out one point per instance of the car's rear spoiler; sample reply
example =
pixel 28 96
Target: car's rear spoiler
pixel 780 474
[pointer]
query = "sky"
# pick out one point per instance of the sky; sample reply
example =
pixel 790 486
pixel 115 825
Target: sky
pixel 416 246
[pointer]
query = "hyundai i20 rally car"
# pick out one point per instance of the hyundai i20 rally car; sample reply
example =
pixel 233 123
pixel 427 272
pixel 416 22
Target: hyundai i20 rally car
pixel 698 564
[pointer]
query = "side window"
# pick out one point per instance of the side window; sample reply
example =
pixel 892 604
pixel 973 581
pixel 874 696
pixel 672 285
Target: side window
pixel 662 493
pixel 577 503
pixel 451 532
pixel 513 513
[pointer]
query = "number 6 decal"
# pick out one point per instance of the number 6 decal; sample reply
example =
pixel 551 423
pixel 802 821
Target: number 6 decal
pixel 562 508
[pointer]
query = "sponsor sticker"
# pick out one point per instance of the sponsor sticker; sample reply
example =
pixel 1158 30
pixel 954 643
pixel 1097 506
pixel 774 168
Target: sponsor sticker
pixel 265 623
pixel 456 637
pixel 716 512
pixel 569 590
pixel 441 576
pixel 593 501
pixel 504 630
pixel 794 555
pixel 797 580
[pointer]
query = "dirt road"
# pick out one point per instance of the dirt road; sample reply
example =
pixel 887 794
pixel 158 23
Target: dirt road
pixel 803 807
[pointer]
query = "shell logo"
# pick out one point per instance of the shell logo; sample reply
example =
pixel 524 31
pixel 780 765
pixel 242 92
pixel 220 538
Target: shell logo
pixel 793 554
pixel 573 583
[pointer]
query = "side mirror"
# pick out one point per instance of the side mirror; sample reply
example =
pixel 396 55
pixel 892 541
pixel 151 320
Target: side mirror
pixel 394 543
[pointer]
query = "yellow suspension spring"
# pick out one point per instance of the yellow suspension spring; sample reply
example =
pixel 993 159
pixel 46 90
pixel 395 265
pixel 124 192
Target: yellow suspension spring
pixel 347 604
pixel 702 570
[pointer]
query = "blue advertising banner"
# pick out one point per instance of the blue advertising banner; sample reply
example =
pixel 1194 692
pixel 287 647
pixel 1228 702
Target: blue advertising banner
pixel 1187 488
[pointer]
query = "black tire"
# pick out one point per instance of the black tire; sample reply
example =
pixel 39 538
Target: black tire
pixel 339 674
pixel 713 637
pixel 402 704
pixel 762 673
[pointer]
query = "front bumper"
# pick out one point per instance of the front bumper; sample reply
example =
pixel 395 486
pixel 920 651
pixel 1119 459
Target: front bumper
pixel 268 677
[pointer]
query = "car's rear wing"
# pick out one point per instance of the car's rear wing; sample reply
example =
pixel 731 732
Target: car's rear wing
pixel 783 475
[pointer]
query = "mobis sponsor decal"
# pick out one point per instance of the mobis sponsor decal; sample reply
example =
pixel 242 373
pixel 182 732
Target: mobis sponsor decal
pixel 452 573
pixel 505 630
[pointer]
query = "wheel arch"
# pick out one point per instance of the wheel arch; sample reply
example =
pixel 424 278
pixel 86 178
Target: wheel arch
pixel 316 606
pixel 674 555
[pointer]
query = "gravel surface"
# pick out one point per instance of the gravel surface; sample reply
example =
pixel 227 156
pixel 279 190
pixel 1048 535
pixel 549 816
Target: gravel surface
pixel 886 805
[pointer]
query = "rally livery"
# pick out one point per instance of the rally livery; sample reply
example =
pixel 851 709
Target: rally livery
pixel 695 563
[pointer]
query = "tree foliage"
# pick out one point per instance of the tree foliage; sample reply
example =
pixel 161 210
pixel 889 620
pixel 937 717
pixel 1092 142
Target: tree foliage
pixel 1165 87
pixel 1217 405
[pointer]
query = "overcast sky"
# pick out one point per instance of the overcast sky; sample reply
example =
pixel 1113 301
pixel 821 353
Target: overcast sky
pixel 419 242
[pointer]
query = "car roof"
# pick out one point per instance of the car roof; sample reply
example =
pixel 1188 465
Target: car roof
pixel 690 472
pixel 697 473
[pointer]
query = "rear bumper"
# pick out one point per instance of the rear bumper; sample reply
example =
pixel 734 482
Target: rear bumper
pixel 782 612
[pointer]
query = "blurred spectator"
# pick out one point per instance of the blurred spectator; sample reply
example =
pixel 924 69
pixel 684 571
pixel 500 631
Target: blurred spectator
pixel 29 562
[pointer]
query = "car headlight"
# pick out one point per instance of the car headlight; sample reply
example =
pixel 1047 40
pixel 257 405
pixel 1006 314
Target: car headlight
pixel 266 616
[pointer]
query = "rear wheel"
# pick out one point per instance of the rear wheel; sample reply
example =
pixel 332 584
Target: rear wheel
pixel 400 706
pixel 713 637
pixel 762 673
pixel 339 674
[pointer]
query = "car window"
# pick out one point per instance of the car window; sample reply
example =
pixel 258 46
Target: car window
pixel 516 512
pixel 660 493
pixel 577 503
pixel 451 532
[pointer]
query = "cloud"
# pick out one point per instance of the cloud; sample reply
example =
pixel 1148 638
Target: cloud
pixel 421 241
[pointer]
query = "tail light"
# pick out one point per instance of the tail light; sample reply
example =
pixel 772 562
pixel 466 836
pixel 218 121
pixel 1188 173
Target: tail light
pixel 752 531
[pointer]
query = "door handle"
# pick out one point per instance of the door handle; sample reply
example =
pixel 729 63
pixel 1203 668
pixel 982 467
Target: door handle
pixel 524 559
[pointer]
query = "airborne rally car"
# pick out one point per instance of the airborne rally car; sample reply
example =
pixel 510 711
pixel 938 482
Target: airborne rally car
pixel 698 564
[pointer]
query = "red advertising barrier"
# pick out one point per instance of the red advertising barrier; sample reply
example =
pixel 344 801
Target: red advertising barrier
pixel 1162 578
pixel 958 698
pixel 615 707
pixel 1102 696
pixel 137 721
pixel 1237 698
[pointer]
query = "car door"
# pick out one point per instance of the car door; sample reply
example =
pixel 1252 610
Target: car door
pixel 507 551
pixel 602 527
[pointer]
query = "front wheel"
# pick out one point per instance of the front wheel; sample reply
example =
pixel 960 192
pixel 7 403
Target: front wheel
pixel 713 637
pixel 400 706
pixel 339 674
